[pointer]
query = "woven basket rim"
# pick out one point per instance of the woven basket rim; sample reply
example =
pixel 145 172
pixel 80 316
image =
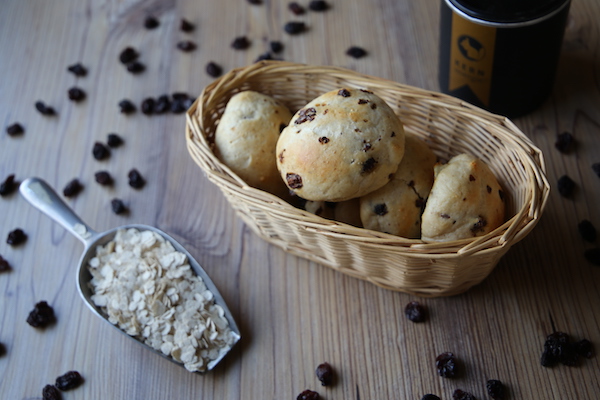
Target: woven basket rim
pixel 515 228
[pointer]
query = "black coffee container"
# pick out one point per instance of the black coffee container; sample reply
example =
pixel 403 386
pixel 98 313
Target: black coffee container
pixel 501 55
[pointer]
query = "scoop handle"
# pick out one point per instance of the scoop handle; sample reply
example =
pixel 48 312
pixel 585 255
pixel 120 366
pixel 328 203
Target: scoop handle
pixel 44 198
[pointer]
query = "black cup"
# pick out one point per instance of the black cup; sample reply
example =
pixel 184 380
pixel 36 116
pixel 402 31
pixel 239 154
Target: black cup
pixel 501 55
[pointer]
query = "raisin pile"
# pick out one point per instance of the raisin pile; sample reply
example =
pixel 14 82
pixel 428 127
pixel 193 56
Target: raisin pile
pixel 559 349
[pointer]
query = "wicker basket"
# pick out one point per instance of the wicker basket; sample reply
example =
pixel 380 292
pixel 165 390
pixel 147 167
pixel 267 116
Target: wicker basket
pixel 449 126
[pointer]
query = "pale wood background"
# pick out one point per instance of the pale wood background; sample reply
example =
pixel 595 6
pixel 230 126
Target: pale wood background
pixel 293 314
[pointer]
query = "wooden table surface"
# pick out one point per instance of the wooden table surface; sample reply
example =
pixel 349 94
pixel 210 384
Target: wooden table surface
pixel 293 314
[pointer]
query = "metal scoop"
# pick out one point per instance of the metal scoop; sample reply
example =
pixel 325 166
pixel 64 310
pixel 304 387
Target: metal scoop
pixel 44 198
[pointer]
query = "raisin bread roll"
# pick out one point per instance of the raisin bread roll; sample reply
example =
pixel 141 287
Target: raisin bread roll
pixel 466 201
pixel 246 137
pixel 396 207
pixel 342 145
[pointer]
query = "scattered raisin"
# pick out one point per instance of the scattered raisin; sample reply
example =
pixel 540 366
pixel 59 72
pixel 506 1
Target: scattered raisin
pixel 593 255
pixel 294 181
pixel 128 55
pixel 584 348
pixel 430 397
pixel 415 311
pixel 114 140
pixel 50 392
pixel 255 2
pixel 213 69
pixel 151 23
pixel 4 265
pixel 587 230
pixel 325 374
pixel 564 142
pixel 8 186
pixel 103 178
pixel 41 316
pixel 186 26
pixel 68 381
pixel 264 56
pixel 16 237
pixel 186 45
pixel 462 395
pixel 296 8
pixel 77 69
pixel 368 166
pixel 72 188
pixel 76 94
pixel 306 114
pixel 126 106
pixel 596 168
pixel 565 186
pixel 380 209
pixel 495 389
pixel 276 46
pixel 14 129
pixel 556 348
pixel 294 27
pixel 163 104
pixel 44 109
pixel 318 5
pixel 356 52
pixel 344 93
pixel 308 395
pixel 2 349
pixel 446 365
pixel 147 106
pixel 118 206
pixel 100 151
pixel 135 179
pixel 240 43
pixel 136 67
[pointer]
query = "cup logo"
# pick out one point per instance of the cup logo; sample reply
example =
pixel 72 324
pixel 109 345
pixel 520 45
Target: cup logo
pixel 470 48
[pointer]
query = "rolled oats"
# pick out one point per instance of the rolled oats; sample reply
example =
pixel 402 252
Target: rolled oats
pixel 148 289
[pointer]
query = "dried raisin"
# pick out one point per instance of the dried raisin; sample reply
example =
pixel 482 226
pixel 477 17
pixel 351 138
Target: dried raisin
pixel 380 209
pixel 128 55
pixel 564 142
pixel 495 389
pixel 136 67
pixel 76 94
pixel 8 186
pixel 103 178
pixel 186 45
pixel 100 151
pixel 566 186
pixel 415 312
pixel 462 395
pixel 4 265
pixel 73 188
pixel 446 365
pixel 186 26
pixel 151 23
pixel 41 316
pixel 50 392
pixel 163 104
pixel 240 43
pixel 325 374
pixel 2 349
pixel 294 181
pixel 276 46
pixel 15 129
pixel 585 348
pixel 308 395
pixel 16 237
pixel 596 169
pixel 294 27
pixel 306 114
pixel 344 93
pixel 587 230
pixel 114 140
pixel 213 69
pixel 296 8
pixel 318 5
pixel 135 179
pixel 44 109
pixel 147 106
pixel 126 106
pixel 356 52
pixel 118 206
pixel 69 380
pixel 77 69
pixel 430 397
pixel 369 165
